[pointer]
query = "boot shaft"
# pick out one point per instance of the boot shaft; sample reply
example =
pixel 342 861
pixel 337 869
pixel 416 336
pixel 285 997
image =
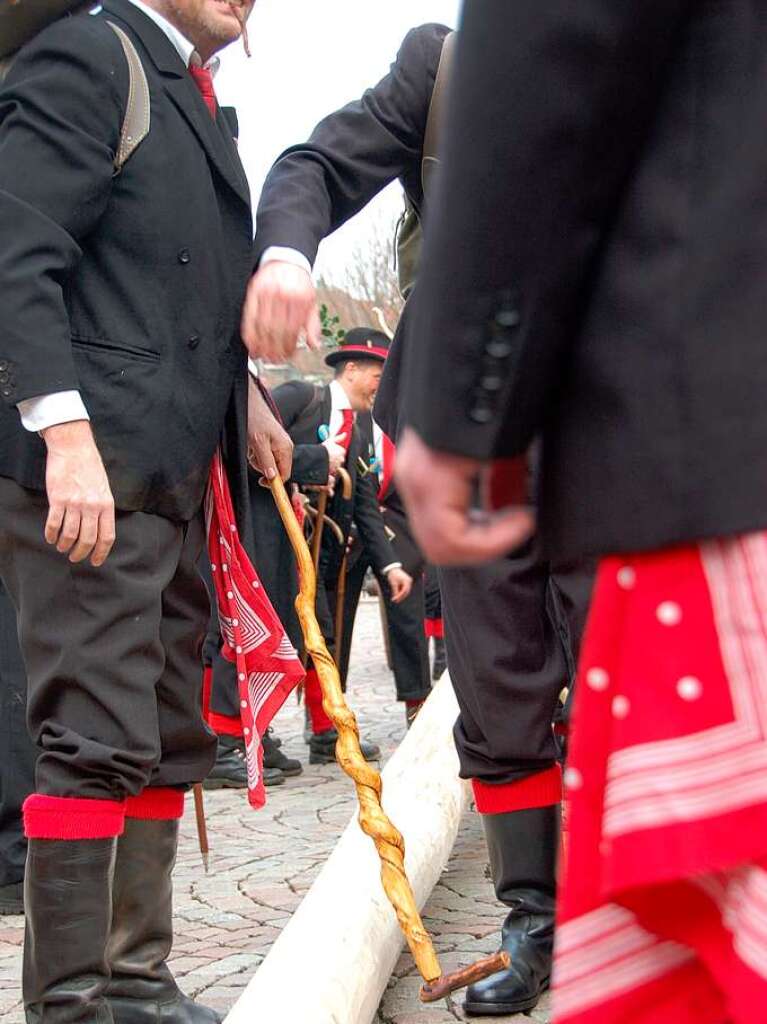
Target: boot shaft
pixel 68 899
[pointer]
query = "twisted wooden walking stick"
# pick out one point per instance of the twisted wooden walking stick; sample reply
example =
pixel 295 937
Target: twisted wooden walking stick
pixel 373 820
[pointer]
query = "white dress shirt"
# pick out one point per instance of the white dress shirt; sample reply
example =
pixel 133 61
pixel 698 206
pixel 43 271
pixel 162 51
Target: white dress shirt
pixel 66 406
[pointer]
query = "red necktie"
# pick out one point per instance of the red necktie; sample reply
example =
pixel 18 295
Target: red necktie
pixel 347 426
pixel 203 79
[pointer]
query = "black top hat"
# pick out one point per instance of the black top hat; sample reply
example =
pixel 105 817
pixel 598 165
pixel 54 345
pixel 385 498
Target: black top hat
pixel 360 343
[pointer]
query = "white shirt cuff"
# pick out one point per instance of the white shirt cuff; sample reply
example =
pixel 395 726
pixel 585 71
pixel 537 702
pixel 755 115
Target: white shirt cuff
pixel 49 410
pixel 253 368
pixel 284 254
pixel 392 565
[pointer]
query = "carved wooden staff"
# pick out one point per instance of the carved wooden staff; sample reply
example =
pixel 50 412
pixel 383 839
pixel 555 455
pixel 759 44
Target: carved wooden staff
pixel 373 821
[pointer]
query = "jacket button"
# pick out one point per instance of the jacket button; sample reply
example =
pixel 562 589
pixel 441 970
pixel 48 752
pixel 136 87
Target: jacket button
pixel 491 383
pixel 4 378
pixel 7 392
pixel 184 256
pixel 480 413
pixel 499 348
pixel 507 318
pixel 3 365
pixel 194 341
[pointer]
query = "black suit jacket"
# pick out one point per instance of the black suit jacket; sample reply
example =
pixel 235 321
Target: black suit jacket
pixel 351 155
pixel 294 401
pixel 128 288
pixel 395 518
pixel 594 268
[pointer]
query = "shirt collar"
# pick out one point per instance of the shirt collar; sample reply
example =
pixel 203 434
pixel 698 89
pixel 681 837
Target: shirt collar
pixel 183 47
pixel 338 397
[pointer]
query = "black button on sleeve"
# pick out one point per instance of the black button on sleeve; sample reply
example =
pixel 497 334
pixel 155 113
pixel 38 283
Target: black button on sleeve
pixel 193 341
pixel 4 378
pixel 3 365
pixel 184 256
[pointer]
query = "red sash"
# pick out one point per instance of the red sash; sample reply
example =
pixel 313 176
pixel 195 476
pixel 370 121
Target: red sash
pixel 254 639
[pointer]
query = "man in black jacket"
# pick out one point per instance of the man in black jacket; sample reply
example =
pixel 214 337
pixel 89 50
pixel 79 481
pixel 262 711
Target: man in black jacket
pixel 309 413
pixel 512 759
pixel 121 372
pixel 609 239
pixel 403 620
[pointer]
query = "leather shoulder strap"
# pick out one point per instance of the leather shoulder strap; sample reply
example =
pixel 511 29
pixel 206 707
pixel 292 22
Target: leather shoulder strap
pixel 432 136
pixel 138 111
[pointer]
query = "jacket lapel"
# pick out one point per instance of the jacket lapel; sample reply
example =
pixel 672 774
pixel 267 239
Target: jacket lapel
pixel 214 138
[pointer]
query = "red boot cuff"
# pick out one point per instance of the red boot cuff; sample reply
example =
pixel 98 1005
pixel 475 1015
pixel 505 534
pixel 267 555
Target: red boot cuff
pixel 156 804
pixel 544 789
pixel 63 817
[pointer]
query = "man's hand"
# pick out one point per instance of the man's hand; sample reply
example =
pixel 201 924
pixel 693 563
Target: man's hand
pixel 81 514
pixel 270 449
pixel 336 453
pixel 400 585
pixel 437 489
pixel 280 307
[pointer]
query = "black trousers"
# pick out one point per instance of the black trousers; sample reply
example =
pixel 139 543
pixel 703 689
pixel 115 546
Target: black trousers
pixel 113 654
pixel 432 595
pixel 18 753
pixel 404 625
pixel 512 630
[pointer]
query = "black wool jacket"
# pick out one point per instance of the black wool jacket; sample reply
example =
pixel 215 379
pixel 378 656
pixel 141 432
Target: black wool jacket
pixel 127 288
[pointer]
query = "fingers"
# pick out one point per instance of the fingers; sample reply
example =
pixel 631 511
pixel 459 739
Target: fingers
pixel 280 306
pixel 314 331
pixel 283 456
pixel 261 458
pixel 106 537
pixel 70 530
pixel 86 538
pixel 453 540
pixel 53 522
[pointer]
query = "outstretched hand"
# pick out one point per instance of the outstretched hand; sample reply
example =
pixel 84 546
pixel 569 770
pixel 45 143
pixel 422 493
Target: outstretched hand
pixel 280 308
pixel 438 489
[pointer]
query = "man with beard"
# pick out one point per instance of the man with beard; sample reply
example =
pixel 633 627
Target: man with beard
pixel 121 374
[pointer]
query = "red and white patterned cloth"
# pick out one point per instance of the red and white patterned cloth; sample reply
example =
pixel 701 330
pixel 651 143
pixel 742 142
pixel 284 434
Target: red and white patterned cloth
pixel 663 916
pixel 254 639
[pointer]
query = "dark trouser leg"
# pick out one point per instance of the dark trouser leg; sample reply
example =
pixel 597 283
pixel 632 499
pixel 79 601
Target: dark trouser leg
pixel 433 622
pixel 18 755
pixel 322 744
pixel 355 578
pixel 508 664
pixel 409 654
pixel 508 668
pixel 108 714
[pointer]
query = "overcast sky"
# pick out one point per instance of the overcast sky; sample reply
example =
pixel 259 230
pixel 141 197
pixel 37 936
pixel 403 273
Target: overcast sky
pixel 310 57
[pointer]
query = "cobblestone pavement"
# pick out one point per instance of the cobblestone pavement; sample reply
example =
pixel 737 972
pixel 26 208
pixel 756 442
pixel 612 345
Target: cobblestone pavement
pixel 263 863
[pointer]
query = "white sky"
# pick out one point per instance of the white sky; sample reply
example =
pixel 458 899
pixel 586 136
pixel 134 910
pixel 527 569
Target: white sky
pixel 309 58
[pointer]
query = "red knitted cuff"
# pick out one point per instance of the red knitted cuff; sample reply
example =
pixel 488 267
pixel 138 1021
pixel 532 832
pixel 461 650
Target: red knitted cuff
pixel 156 804
pixel 63 817
pixel 540 790
pixel 434 628
pixel 225 725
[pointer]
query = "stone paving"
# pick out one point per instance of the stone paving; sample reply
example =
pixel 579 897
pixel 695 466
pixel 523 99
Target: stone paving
pixel 263 863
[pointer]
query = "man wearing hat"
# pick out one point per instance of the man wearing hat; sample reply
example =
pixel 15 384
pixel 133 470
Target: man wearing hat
pixel 325 416
pixel 404 619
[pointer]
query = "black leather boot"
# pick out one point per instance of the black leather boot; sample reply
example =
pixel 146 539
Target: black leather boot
pixel 523 849
pixel 142 989
pixel 68 902
pixel 322 748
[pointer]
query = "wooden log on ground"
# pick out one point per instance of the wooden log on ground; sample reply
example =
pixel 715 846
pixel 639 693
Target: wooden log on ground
pixel 333 961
